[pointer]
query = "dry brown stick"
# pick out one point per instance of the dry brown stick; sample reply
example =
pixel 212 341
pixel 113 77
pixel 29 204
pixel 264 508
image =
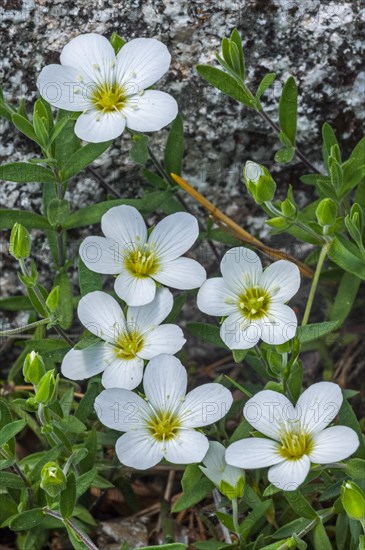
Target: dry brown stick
pixel 237 230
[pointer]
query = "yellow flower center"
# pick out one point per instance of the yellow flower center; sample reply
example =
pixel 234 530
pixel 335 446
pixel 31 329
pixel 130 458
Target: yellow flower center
pixel 129 344
pixel 142 262
pixel 109 98
pixel 164 426
pixel 254 304
pixel 295 444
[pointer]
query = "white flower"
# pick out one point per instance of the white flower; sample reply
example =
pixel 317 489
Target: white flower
pixel 110 89
pixel 252 299
pixel 162 425
pixel 127 340
pixel 141 260
pixel 228 479
pixel 298 435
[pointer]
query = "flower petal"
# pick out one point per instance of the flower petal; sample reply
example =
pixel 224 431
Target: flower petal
pixel 333 444
pixel 174 235
pixel 123 373
pixel 318 406
pixel 150 112
pixel 240 267
pixel 282 280
pixel 121 410
pixel 205 405
pixel 81 364
pixel 61 88
pixel 135 291
pixel 182 273
pixel 137 449
pixel 279 325
pixel 101 315
pixel 125 225
pixel 188 447
pixel 253 452
pixel 165 382
pixel 144 318
pixel 91 53
pixel 238 333
pixel 269 412
pixel 289 474
pixel 215 298
pixel 97 127
pixel 167 339
pixel 101 255
pixel 141 62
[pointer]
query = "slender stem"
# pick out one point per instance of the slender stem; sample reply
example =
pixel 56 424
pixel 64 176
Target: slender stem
pixel 12 331
pixel 313 289
pixel 306 530
pixel 299 154
pixel 268 207
pixel 85 539
pixel 235 516
pixel 217 501
pixel 104 183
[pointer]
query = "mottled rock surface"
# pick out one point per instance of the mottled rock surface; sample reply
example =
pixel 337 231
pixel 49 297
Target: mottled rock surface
pixel 317 42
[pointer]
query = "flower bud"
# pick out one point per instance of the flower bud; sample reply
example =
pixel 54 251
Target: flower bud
pixel 53 299
pixel 47 388
pixel 228 479
pixel 288 208
pixel 326 212
pixel 53 480
pixel 353 500
pixel 259 182
pixel 33 368
pixel 20 242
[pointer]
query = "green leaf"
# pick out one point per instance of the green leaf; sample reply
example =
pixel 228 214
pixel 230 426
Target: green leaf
pixel 92 214
pixel 236 39
pixel 154 179
pixel 72 424
pixel 342 529
pixel 88 280
pixel 139 149
pixel 85 481
pixel 171 546
pixel 68 497
pixel 66 142
pixel 345 297
pixel 30 220
pixel 263 86
pixel 315 331
pixel 329 139
pixel 355 468
pixel 11 481
pixel 15 303
pixel 27 520
pixel 284 155
pixel 11 430
pixel 191 476
pixel 174 150
pixel 253 517
pixel 82 158
pixel 294 382
pixel 24 172
pixel 199 491
pixel 179 302
pixel 348 418
pixel 294 526
pixel 320 538
pixel 355 162
pixel 86 405
pixel 239 355
pixel 226 84
pixel 24 126
pixel 288 109
pixel 117 42
pixel 207 333
pixel 341 252
pixel 300 505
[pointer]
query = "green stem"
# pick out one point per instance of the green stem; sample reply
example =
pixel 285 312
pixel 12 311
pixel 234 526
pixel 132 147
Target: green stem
pixel 82 536
pixel 235 516
pixel 315 280
pixel 270 208
pixel 12 331
pixel 307 529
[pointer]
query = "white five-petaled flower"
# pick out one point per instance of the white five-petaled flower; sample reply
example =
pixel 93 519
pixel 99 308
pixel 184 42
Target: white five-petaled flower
pixel 298 435
pixel 228 479
pixel 127 340
pixel 110 89
pixel 252 299
pixel 162 425
pixel 140 260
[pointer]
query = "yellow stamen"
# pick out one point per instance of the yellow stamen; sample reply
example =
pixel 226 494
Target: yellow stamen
pixel 109 98
pixel 164 426
pixel 295 444
pixel 254 304
pixel 142 262
pixel 128 345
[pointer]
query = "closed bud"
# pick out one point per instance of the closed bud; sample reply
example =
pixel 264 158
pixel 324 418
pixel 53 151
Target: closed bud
pixel 353 500
pixel 53 299
pixel 53 480
pixel 230 480
pixel 33 368
pixel 326 212
pixel 278 223
pixel 20 242
pixel 259 182
pixel 289 208
pixel 47 388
